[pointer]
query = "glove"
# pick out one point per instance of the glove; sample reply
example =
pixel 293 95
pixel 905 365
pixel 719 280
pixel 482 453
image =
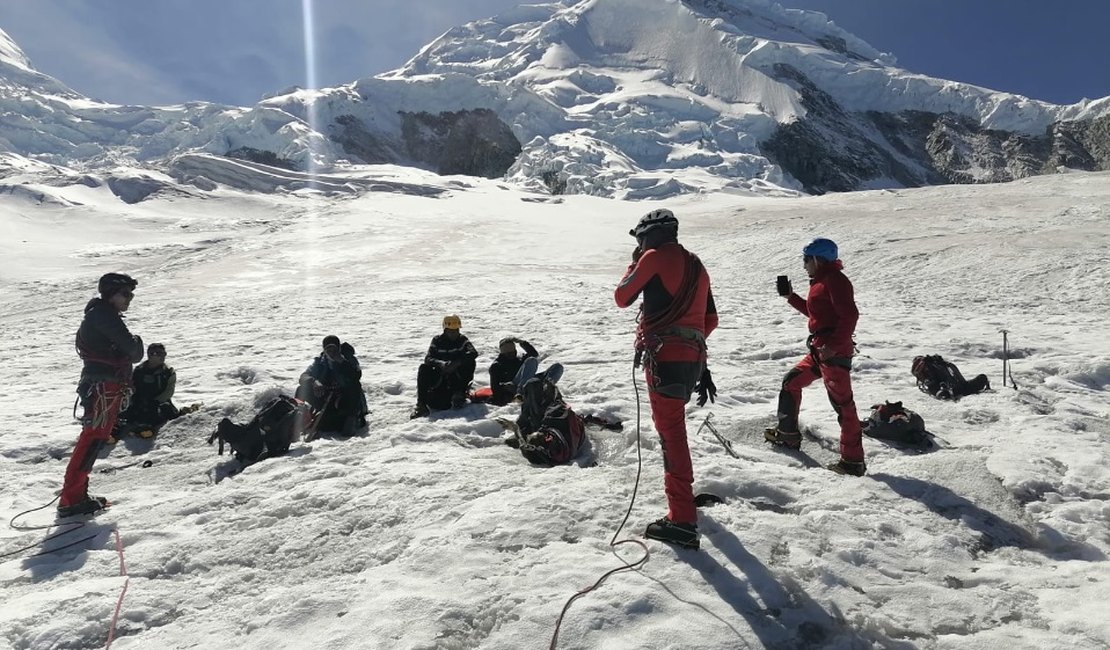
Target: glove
pixel 636 254
pixel 707 390
pixel 782 283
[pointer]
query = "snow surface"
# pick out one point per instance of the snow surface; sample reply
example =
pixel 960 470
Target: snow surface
pixel 432 534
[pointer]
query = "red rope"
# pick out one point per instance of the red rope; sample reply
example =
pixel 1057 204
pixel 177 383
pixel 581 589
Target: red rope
pixel 119 601
pixel 682 300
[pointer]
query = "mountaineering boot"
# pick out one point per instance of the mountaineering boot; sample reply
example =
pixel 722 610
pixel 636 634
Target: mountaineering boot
pixel 851 468
pixel 89 506
pixel 783 438
pixel 419 411
pixel 665 530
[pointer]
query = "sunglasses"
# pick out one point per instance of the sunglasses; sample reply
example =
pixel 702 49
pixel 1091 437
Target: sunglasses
pixel 808 258
pixel 127 294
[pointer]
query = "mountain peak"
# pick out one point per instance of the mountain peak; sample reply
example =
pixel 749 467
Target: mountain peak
pixel 634 30
pixel 625 98
pixel 11 54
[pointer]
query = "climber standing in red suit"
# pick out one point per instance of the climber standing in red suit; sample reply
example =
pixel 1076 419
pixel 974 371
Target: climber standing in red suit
pixel 830 306
pixel 676 316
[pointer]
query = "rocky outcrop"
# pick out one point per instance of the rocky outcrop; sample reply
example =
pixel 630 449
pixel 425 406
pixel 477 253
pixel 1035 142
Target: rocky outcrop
pixel 835 150
pixel 469 142
pixel 473 142
pixel 261 156
pixel 361 143
pixel 1080 145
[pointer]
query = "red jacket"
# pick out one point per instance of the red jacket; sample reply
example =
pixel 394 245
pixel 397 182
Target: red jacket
pixel 831 307
pixel 658 275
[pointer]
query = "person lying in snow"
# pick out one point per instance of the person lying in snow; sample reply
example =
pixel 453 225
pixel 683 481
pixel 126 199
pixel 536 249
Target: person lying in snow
pixel 332 386
pixel 547 431
pixel 444 379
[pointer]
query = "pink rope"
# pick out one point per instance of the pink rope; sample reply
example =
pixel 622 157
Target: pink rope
pixel 119 602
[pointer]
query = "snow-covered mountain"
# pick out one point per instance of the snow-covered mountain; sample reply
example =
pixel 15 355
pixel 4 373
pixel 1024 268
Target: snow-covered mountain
pixel 609 97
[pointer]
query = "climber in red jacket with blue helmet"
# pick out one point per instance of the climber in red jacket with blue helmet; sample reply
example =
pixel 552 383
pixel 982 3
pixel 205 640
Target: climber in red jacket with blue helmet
pixel 676 316
pixel 831 308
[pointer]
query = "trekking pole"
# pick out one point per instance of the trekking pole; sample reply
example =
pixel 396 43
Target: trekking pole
pixel 1005 357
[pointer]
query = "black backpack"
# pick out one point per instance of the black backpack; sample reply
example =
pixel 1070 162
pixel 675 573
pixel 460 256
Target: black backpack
pixel 943 380
pixel 270 433
pixel 894 423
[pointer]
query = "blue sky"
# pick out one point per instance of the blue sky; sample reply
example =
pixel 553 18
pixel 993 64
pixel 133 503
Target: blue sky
pixel 235 51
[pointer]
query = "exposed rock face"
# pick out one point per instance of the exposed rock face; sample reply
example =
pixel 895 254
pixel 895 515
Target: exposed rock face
pixel 835 150
pixel 832 150
pixel 1080 145
pixel 358 141
pixel 261 156
pixel 470 142
pixel 964 152
pixel 474 143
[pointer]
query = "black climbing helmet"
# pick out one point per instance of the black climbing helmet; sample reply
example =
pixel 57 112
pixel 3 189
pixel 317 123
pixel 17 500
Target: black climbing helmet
pixel 656 221
pixel 112 283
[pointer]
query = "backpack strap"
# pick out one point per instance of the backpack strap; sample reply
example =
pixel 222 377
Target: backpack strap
pixel 214 437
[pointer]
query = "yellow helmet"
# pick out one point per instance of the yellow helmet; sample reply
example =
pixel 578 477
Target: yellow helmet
pixel 452 322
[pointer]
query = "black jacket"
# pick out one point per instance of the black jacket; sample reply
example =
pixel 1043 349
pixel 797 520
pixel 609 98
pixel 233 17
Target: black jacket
pixel 504 369
pixel 154 385
pixel 444 349
pixel 106 345
pixel 344 373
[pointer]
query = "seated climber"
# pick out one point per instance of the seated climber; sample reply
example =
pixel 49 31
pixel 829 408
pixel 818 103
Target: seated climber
pixel 503 371
pixel 444 378
pixel 150 407
pixel 332 386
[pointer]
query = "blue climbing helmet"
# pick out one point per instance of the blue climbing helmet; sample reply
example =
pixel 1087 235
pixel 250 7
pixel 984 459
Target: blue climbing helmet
pixel 822 248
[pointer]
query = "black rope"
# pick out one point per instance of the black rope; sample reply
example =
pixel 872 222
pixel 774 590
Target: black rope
pixel 613 543
pixel 69 528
